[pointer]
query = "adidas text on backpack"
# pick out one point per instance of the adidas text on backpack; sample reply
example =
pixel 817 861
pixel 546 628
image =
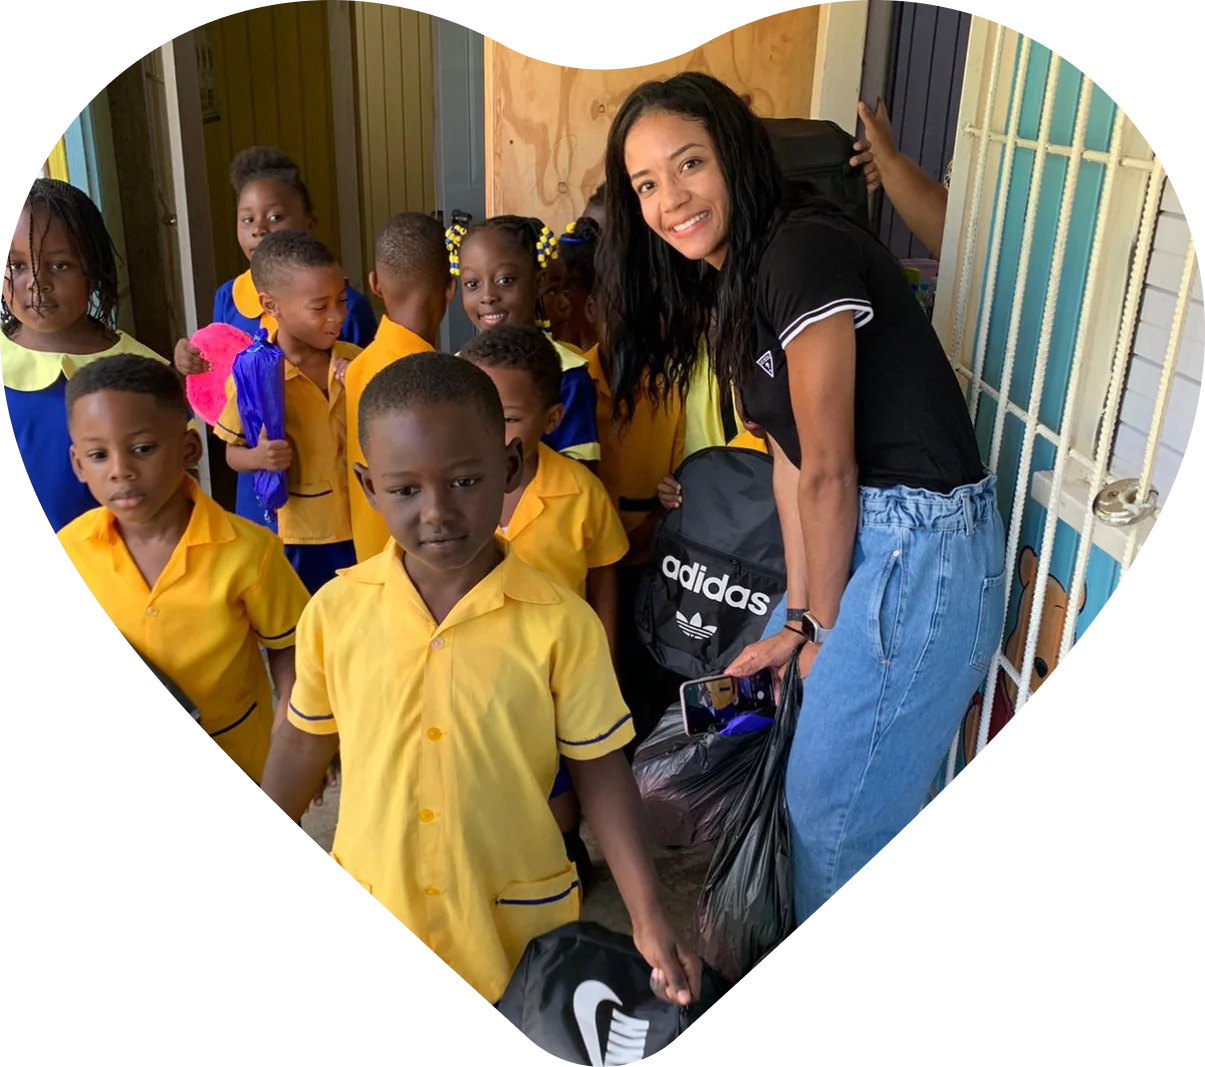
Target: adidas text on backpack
pixel 716 564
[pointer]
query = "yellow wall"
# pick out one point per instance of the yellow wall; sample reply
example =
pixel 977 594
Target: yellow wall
pixel 56 164
pixel 271 69
pixel 395 105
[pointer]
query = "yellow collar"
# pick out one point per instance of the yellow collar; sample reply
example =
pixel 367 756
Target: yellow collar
pixel 28 371
pixel 570 358
pixel 554 478
pixel 246 301
pixel 209 523
pixel 394 337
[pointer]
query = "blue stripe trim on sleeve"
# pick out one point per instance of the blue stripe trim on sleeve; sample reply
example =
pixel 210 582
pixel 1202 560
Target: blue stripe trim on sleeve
pixel 308 718
pixel 542 900
pixel 238 722
pixel 600 737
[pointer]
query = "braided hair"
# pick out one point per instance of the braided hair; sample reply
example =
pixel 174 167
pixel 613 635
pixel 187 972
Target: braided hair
pixel 528 234
pixel 90 241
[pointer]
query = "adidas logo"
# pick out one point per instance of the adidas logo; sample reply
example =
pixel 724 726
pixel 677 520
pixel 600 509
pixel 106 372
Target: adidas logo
pixel 693 578
pixel 766 362
pixel 694 627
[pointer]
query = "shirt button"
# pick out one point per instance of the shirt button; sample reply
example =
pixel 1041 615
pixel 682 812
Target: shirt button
pixel 426 816
pixel 432 891
pixel 434 734
pixel 437 644
pixel 152 612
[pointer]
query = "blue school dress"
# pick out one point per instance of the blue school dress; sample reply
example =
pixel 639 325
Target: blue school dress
pixel 236 303
pixel 35 388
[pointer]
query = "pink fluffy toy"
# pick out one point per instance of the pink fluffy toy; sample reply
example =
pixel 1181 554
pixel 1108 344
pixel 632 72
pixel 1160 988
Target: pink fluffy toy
pixel 219 344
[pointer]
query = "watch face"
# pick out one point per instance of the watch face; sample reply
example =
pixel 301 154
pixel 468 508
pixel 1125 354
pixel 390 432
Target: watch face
pixel 808 627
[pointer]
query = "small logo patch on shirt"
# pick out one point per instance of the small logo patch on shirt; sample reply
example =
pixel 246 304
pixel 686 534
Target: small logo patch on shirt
pixel 766 362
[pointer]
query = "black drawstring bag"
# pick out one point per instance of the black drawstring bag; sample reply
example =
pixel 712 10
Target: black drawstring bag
pixel 582 993
pixel 689 782
pixel 745 907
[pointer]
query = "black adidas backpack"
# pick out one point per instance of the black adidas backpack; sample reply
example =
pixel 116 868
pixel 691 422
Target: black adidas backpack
pixel 716 568
pixel 815 153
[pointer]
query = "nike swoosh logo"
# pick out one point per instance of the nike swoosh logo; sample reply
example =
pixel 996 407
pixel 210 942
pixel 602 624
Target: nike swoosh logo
pixel 586 1000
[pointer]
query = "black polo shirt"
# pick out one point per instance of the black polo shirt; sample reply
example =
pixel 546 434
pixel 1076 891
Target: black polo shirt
pixel 911 424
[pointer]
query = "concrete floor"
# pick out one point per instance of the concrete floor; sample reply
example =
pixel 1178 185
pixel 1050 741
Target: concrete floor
pixel 680 873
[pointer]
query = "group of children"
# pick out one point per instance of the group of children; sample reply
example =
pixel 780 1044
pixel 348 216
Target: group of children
pixel 441 598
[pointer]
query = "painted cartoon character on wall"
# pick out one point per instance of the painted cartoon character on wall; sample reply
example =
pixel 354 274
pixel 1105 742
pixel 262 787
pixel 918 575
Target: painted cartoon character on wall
pixel 1046 653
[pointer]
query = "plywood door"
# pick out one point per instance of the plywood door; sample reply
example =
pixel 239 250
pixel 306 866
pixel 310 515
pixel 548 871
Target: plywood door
pixel 546 126
pixel 395 104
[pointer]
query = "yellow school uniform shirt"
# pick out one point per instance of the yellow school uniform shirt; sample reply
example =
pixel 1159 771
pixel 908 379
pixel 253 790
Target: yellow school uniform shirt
pixel 317 511
pixel 226 590
pixel 449 737
pixel 392 342
pixel 565 524
pixel 745 439
pixel 637 456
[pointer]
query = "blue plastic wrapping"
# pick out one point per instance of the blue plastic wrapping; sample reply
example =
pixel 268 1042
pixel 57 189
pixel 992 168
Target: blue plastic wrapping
pixel 259 379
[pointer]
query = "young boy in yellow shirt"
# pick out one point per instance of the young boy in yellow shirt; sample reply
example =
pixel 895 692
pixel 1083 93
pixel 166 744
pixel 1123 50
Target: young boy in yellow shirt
pixel 305 291
pixel 452 675
pixel 195 590
pixel 559 517
pixel 412 278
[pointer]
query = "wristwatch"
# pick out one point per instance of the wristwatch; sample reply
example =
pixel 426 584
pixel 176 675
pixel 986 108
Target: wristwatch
pixel 808 626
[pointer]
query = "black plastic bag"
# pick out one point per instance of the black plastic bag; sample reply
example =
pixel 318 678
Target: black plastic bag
pixel 582 993
pixel 689 783
pixel 745 907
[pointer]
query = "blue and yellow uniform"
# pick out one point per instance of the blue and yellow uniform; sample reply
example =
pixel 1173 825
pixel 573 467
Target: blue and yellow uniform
pixel 449 735
pixel 226 591
pixel 315 522
pixel 577 434
pixel 236 303
pixel 35 387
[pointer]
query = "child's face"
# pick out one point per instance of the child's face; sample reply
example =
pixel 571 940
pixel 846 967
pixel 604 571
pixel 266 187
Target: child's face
pixel 62 293
pixel 131 451
pixel 310 304
pixel 528 417
pixel 497 282
pixel 266 205
pixel 553 296
pixel 438 476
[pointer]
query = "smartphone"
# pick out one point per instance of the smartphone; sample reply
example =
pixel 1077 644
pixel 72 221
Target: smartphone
pixel 711 703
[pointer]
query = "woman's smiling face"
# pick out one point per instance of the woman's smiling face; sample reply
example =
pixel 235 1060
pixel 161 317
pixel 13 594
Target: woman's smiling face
pixel 675 172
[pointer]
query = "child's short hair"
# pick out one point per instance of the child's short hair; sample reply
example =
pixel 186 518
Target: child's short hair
pixel 89 238
pixel 578 246
pixel 522 348
pixel 430 379
pixel 129 374
pixel 282 252
pixel 410 246
pixel 256 164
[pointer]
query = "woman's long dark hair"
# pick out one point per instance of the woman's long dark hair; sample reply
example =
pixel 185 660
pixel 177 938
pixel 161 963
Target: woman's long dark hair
pixel 658 304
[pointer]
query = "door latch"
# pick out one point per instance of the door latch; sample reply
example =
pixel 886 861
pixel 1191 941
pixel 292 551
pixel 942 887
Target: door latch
pixel 1117 504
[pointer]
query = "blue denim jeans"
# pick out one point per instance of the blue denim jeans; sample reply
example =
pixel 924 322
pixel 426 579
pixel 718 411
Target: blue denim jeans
pixel 919 621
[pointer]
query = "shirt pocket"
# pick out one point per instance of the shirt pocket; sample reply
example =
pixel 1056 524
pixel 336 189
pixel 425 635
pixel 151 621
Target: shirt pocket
pixel 308 516
pixel 524 911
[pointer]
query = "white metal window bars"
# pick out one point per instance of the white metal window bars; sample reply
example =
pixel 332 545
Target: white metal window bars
pixel 978 131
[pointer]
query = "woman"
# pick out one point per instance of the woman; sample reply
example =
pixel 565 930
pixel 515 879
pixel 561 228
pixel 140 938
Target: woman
pixel 894 545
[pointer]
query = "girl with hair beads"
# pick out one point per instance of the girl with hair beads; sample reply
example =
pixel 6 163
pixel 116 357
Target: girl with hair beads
pixel 499 263
pixel 59 314
pixel 271 196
